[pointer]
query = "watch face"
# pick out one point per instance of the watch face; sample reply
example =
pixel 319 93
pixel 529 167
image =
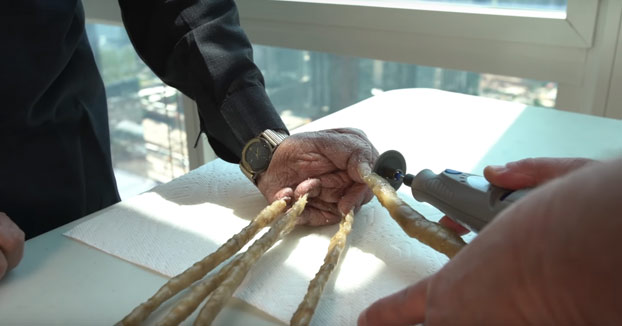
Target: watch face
pixel 257 155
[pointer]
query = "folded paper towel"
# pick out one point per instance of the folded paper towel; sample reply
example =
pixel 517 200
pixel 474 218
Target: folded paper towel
pixel 176 224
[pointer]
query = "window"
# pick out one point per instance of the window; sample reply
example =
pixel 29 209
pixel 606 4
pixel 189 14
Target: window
pixel 562 53
pixel 147 134
pixel 306 85
pixel 148 138
pixel 562 46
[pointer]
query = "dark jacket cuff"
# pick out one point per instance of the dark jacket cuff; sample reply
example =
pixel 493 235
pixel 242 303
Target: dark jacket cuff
pixel 247 112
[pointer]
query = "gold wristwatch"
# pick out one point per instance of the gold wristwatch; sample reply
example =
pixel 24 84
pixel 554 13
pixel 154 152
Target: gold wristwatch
pixel 257 153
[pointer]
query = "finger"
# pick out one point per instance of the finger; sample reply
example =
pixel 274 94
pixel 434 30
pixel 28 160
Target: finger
pixel 334 185
pixel 336 179
pixel 347 151
pixel 312 187
pixel 355 196
pixel 312 216
pixel 532 172
pixel 285 193
pixel 364 169
pixel 354 131
pixel 322 205
pixel 406 307
pixel 449 223
pixel 361 164
pixel 331 195
pixel 13 252
pixel 319 213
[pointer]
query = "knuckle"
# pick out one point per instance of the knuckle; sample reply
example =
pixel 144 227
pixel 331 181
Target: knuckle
pixel 11 245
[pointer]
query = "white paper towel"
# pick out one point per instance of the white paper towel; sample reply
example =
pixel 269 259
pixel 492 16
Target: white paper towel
pixel 168 229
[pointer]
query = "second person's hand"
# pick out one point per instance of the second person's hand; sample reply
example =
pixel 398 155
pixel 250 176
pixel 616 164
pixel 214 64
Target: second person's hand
pixel 11 244
pixel 546 260
pixel 525 173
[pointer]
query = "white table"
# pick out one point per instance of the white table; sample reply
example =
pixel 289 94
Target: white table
pixel 63 282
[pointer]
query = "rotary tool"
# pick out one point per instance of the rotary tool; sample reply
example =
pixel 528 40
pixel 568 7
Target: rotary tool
pixel 466 198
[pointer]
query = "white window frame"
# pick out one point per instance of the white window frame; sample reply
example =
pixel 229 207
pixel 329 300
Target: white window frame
pixel 573 50
pixel 578 50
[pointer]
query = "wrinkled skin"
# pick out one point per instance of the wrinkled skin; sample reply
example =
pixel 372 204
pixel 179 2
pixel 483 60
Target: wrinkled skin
pixel 11 244
pixel 553 258
pixel 326 165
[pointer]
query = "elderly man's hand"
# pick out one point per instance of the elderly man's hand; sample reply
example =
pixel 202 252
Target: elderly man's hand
pixel 326 165
pixel 11 244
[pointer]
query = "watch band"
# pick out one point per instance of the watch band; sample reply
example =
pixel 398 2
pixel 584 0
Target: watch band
pixel 272 138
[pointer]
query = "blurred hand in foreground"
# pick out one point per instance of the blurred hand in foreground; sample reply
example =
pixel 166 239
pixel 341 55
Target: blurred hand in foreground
pixel 552 258
pixel 11 244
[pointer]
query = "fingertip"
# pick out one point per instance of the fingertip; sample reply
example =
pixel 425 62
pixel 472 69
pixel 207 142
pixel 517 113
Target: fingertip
pixel 492 172
pixel 286 193
pixel 312 187
pixel 509 177
pixel 354 198
pixel 344 208
pixel 496 168
pixel 449 223
pixel 364 169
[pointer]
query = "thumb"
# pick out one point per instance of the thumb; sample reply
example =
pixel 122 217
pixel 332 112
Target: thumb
pixel 406 307
pixel 532 172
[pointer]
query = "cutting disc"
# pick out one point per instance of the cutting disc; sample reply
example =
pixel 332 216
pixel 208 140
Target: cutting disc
pixel 391 166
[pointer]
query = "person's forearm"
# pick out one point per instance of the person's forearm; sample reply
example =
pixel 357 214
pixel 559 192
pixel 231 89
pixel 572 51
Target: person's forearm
pixel 199 48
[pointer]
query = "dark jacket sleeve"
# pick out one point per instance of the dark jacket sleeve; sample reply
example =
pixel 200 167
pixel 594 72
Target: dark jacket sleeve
pixel 198 47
